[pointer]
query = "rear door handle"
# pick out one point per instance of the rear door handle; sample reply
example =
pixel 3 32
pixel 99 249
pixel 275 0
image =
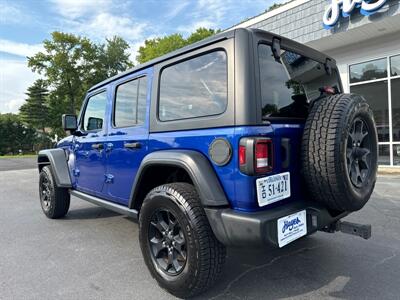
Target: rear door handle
pixel 134 145
pixel 97 146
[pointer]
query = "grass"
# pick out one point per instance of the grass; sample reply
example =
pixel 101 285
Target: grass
pixel 17 156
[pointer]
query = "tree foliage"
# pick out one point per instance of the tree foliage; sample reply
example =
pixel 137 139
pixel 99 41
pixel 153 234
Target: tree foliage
pixel 66 63
pixel 34 111
pixel 71 64
pixel 159 46
pixel 15 136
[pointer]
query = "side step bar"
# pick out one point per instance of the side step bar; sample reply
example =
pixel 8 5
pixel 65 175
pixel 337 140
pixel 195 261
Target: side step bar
pixel 106 204
pixel 360 230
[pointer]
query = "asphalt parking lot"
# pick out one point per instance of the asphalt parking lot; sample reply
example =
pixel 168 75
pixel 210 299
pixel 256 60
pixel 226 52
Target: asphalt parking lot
pixel 95 254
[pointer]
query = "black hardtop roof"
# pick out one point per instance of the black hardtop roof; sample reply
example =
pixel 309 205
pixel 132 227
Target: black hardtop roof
pixel 215 38
pixel 267 36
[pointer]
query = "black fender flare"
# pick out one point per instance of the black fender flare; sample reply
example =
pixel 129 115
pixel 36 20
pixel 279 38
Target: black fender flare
pixel 195 164
pixel 58 161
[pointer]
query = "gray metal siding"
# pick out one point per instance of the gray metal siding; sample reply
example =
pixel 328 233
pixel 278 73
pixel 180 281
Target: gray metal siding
pixel 303 23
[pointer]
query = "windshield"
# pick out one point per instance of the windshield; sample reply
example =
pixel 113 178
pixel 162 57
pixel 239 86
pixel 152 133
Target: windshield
pixel 290 84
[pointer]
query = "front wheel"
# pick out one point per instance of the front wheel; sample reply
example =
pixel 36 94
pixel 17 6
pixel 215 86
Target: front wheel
pixel 177 242
pixel 54 200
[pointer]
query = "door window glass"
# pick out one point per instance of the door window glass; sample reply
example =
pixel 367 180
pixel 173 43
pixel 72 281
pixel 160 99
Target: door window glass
pixel 95 111
pixel 130 103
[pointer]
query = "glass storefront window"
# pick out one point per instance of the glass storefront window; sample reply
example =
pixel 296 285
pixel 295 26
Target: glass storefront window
pixel 376 94
pixel 395 65
pixel 370 70
pixel 384 155
pixel 395 83
pixel 396 154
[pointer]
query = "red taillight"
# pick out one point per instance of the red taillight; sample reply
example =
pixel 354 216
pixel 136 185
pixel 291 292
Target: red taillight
pixel 242 155
pixel 263 155
pixel 329 90
pixel 255 155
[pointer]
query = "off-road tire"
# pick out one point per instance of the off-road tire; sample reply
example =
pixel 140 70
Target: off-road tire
pixel 205 255
pixel 53 200
pixel 326 152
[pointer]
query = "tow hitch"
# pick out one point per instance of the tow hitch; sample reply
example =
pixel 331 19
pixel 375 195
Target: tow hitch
pixel 360 230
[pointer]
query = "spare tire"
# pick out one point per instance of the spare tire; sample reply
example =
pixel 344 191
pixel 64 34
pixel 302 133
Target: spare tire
pixel 339 152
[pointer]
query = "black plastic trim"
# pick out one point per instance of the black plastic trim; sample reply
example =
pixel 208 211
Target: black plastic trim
pixel 106 204
pixel 244 229
pixel 56 158
pixel 195 164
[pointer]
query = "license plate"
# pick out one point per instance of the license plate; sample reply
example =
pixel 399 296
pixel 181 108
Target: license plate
pixel 291 228
pixel 273 188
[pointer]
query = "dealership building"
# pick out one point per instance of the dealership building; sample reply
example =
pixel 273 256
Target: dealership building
pixel 364 39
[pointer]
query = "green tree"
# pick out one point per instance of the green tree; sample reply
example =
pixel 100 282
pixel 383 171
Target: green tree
pixel 159 46
pixel 275 6
pixel 14 135
pixel 200 34
pixel 66 62
pixel 70 65
pixel 113 58
pixel 34 111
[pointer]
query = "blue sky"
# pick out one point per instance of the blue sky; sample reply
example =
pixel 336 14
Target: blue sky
pixel 25 24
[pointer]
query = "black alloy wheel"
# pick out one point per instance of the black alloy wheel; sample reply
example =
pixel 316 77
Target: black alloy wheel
pixel 167 242
pixel 54 200
pixel 358 153
pixel 45 193
pixel 177 242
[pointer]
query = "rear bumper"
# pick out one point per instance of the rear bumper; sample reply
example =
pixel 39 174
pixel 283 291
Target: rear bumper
pixel 236 228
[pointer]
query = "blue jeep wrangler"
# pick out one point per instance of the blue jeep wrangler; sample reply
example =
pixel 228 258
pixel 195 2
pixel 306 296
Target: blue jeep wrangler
pixel 243 139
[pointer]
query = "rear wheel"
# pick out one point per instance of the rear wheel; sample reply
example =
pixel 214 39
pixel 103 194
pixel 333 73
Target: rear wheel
pixel 339 152
pixel 177 242
pixel 54 200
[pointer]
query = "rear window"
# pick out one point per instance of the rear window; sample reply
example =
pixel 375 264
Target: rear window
pixel 288 85
pixel 194 88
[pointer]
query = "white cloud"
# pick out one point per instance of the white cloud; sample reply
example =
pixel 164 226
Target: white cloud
pixel 72 9
pixel 20 49
pixel 15 77
pixel 11 14
pixel 98 19
pixel 210 14
pixel 197 24
pixel 176 8
pixel 105 25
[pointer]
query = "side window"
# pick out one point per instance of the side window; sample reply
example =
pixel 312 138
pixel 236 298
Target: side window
pixel 130 103
pixel 194 88
pixel 95 111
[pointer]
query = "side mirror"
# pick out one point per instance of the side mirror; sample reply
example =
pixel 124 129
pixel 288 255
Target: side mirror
pixel 69 122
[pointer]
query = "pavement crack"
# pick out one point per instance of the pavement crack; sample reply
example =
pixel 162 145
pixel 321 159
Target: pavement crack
pixel 243 274
pixel 385 259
